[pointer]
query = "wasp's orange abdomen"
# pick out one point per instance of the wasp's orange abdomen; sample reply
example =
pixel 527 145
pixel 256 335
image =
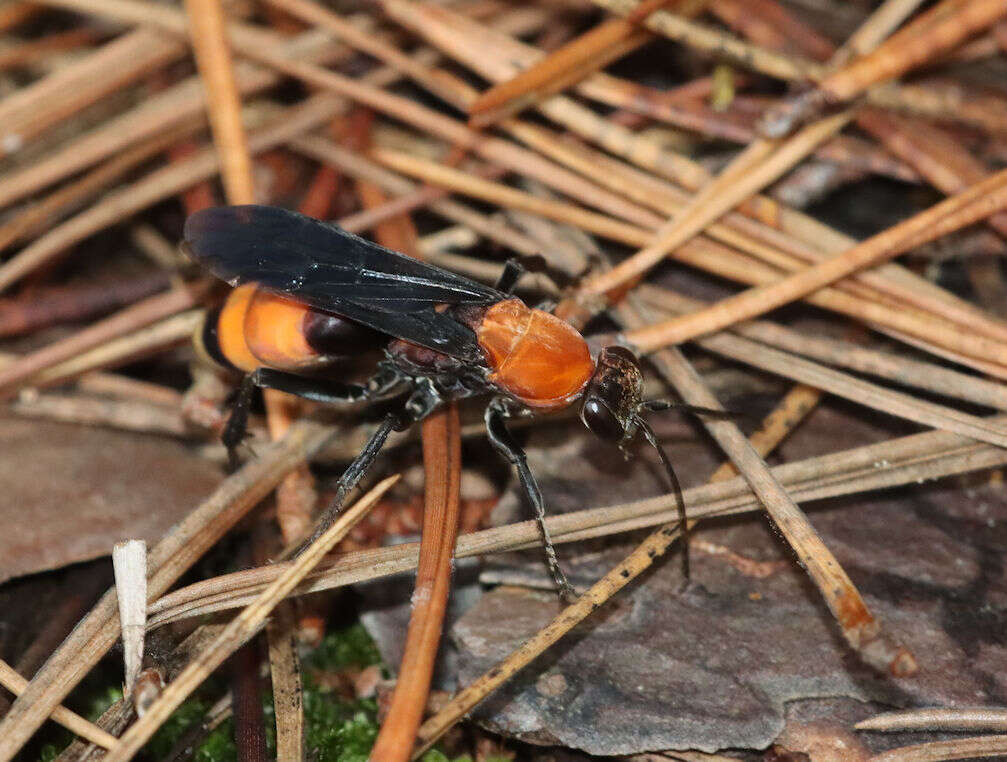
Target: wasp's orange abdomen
pixel 230 329
pixel 275 332
pixel 540 359
pixel 256 329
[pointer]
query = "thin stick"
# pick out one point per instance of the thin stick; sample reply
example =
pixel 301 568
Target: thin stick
pixel 241 628
pixel 72 721
pixel 955 719
pixel 958 748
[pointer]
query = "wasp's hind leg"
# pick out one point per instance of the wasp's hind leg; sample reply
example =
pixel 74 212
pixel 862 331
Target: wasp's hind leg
pixel 503 441
pixel 315 389
pixel 421 402
pixel 353 474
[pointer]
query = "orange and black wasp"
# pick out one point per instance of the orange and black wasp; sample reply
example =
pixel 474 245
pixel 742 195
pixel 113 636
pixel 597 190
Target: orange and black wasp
pixel 309 296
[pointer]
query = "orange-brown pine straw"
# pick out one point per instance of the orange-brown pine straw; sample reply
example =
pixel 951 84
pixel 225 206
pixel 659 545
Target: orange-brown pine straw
pixel 976 203
pixel 441 434
pixel 863 304
pixel 757 166
pixel 746 175
pixel 939 29
pixel 563 68
pixel 207 26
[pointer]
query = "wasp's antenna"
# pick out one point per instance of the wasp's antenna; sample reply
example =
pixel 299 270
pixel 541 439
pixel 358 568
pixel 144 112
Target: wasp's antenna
pixel 676 487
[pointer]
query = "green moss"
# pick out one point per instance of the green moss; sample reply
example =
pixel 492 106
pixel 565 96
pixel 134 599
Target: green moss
pixel 188 715
pixel 99 703
pixel 50 751
pixel 219 745
pixel 349 647
pixel 435 756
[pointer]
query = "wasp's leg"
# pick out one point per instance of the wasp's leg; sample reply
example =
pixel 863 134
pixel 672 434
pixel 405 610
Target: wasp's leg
pixel 316 389
pixel 512 272
pixel 423 401
pixel 354 473
pixel 503 441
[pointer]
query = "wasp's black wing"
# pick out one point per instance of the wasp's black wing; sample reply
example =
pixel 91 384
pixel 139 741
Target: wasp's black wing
pixel 338 272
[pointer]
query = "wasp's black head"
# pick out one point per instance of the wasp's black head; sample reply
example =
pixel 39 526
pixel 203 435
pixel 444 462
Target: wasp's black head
pixel 612 397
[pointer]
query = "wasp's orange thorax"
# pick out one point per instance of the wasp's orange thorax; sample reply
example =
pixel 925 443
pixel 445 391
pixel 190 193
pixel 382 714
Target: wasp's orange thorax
pixel 540 359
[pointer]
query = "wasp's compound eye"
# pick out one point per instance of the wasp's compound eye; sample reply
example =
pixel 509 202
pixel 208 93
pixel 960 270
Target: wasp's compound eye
pixel 601 420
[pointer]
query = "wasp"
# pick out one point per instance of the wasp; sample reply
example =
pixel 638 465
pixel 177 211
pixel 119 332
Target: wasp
pixel 309 296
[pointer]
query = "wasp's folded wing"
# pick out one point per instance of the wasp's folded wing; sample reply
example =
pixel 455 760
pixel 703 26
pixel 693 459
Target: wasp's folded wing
pixel 338 272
